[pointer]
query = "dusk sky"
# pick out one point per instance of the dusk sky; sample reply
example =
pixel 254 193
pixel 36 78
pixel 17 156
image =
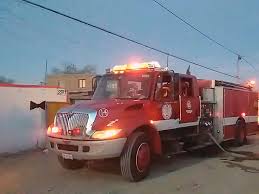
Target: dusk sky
pixel 29 36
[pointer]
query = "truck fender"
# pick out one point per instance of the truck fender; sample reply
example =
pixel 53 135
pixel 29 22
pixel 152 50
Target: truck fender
pixel 153 136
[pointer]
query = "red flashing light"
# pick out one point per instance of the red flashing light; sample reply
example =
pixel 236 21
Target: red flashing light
pixel 251 83
pixel 243 114
pixel 76 131
pixel 135 66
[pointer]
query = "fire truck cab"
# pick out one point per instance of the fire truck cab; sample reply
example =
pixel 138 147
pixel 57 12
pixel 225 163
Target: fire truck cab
pixel 141 110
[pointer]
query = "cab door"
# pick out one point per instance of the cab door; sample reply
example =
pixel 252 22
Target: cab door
pixel 189 99
pixel 167 108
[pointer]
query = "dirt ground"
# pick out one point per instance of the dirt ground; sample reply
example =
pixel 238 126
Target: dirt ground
pixel 207 171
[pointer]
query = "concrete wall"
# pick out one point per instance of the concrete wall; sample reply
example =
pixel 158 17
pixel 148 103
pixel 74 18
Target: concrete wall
pixel 20 127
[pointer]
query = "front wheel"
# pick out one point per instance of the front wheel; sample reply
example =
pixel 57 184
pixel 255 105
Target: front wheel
pixel 71 164
pixel 136 157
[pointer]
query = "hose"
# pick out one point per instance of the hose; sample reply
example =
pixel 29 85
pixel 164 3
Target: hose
pixel 228 152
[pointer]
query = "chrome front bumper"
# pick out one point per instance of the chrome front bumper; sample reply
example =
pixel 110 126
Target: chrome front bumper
pixel 87 150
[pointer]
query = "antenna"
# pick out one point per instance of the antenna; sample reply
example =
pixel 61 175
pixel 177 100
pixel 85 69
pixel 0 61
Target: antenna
pixel 46 72
pixel 238 68
pixel 167 61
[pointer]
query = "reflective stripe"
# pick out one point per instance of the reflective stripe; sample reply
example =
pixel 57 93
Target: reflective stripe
pixel 172 124
pixel 233 120
pixel 162 125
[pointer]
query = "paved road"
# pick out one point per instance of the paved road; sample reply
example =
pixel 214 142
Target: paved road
pixel 39 173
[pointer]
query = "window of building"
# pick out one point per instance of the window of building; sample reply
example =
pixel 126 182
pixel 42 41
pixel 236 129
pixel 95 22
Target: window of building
pixel 81 83
pixel 61 83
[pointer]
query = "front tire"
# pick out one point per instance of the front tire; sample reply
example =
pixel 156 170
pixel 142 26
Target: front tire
pixel 71 164
pixel 136 157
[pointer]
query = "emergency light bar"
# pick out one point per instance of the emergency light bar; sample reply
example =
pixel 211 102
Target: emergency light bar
pixel 136 66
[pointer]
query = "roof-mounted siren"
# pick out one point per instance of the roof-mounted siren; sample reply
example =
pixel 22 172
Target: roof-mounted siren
pixel 135 66
pixel 145 65
pixel 251 83
pixel 154 64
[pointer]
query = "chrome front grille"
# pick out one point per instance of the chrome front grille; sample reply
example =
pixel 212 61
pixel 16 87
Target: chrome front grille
pixel 70 121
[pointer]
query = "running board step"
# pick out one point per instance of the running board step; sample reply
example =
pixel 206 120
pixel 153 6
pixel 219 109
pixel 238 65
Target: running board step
pixel 178 138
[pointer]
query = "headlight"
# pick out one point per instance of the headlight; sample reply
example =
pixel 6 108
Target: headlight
pixel 54 130
pixel 106 134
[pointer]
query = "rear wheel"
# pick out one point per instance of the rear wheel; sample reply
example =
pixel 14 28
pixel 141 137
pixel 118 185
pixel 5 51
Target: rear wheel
pixel 136 157
pixel 240 138
pixel 71 164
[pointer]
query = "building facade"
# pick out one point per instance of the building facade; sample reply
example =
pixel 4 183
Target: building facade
pixel 78 85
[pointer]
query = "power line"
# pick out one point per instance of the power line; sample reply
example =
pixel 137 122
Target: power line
pixel 195 28
pixel 125 38
pixel 244 59
pixel 202 33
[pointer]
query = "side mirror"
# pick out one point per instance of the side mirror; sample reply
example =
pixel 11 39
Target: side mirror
pixel 95 81
pixel 90 93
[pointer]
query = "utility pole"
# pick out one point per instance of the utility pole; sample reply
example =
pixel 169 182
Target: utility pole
pixel 238 68
pixel 46 72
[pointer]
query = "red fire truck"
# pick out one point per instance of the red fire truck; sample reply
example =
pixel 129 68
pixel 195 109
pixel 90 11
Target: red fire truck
pixel 141 110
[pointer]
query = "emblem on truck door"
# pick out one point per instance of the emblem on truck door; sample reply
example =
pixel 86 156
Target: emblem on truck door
pixel 103 112
pixel 167 111
pixel 189 107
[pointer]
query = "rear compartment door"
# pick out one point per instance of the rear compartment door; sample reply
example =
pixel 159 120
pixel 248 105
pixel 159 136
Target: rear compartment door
pixel 189 99
pixel 189 109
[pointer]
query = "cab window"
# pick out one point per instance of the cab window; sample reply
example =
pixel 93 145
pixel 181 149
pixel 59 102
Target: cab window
pixel 164 88
pixel 186 87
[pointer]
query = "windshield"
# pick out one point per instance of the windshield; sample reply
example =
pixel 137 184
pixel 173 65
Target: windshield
pixel 124 86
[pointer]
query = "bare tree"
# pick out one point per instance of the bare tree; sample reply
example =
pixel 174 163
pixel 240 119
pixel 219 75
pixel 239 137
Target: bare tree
pixel 72 68
pixel 56 70
pixel 67 69
pixel 89 69
pixel 4 79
